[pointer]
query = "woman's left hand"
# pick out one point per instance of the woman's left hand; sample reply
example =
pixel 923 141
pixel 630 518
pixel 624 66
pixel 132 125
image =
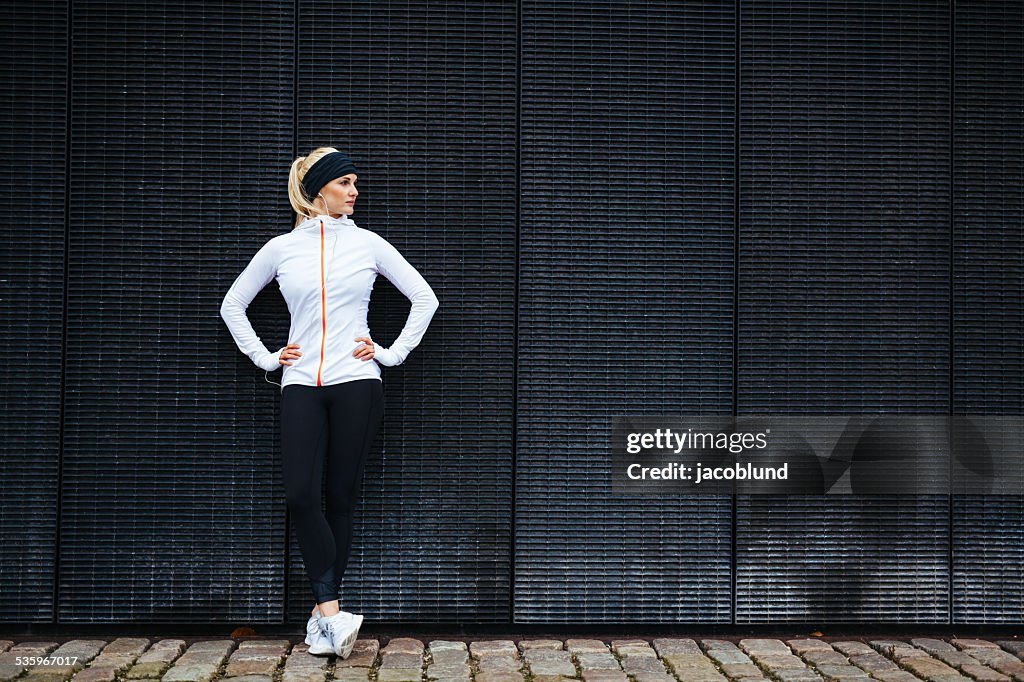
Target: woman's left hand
pixel 364 352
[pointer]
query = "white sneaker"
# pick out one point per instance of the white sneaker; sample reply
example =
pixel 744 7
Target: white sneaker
pixel 313 631
pixel 342 630
pixel 319 642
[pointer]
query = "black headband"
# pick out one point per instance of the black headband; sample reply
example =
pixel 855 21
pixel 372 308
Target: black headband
pixel 327 168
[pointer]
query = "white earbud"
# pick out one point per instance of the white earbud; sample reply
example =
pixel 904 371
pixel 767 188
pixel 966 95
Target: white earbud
pixel 334 242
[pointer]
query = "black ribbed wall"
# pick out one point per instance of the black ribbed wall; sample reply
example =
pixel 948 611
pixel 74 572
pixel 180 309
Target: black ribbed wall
pixel 844 294
pixel 625 301
pixel 33 192
pixel 625 208
pixel 424 99
pixel 171 505
pixel 988 285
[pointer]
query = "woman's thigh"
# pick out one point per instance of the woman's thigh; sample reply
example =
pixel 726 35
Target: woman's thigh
pixel 304 437
pixel 355 415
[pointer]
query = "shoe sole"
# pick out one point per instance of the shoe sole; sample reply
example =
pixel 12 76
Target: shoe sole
pixel 349 641
pixel 321 649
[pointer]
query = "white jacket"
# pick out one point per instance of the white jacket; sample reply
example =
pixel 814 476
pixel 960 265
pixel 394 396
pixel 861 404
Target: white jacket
pixel 326 268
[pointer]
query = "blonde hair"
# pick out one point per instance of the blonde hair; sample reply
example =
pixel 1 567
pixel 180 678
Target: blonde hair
pixel 303 207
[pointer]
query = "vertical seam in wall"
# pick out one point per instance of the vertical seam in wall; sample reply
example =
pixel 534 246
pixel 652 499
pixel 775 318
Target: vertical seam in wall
pixel 735 284
pixel 515 323
pixel 952 290
pixel 295 153
pixel 64 322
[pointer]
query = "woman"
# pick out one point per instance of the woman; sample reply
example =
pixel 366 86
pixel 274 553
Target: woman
pixel 331 391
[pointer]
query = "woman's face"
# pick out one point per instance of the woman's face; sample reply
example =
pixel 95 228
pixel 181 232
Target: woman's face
pixel 340 194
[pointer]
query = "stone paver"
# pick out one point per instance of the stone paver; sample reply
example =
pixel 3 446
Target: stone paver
pixel 555 644
pixel 667 646
pixel 990 654
pixel 604 676
pixel 642 664
pixel 12 660
pixel 449 661
pixel 852 648
pixel 499 664
pixel 960 659
pixel 896 676
pixel 579 646
pixel 593 661
pixel 653 677
pixel 354 674
pixel 918 661
pixel 401 660
pixel 839 672
pixel 498 676
pixel 1015 647
pixel 301 666
pixel 440 670
pixel 633 647
pixel 799 646
pixel 549 662
pixel 820 657
pixel 962 643
pixel 874 663
pixel 742 671
pixel 778 661
pixel 399 674
pixel 696 667
pixel 364 655
pixel 259 658
pixel 201 661
pixel 725 652
pixel 796 675
pixel 67 659
pixel 833 665
pixel 403 645
pixel 408 659
pixel 765 646
pixel 496 647
pixel 155 661
pixel 114 660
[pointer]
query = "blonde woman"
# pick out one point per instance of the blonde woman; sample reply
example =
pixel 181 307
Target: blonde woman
pixel 332 394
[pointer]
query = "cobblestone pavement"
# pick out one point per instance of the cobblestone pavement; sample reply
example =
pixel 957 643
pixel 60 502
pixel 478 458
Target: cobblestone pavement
pixel 406 659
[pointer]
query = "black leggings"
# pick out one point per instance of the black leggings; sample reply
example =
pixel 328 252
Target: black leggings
pixel 342 419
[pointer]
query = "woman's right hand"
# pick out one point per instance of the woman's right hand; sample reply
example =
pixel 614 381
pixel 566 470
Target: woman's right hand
pixel 289 351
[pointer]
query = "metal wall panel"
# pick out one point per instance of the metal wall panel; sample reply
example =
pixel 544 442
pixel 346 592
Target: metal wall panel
pixel 625 301
pixel 565 177
pixel 988 292
pixel 424 99
pixel 33 194
pixel 844 294
pixel 181 135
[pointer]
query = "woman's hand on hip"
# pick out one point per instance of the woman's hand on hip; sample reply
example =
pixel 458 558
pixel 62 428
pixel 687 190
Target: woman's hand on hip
pixel 366 351
pixel 290 351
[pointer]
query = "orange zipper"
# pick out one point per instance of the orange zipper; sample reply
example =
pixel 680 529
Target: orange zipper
pixel 323 306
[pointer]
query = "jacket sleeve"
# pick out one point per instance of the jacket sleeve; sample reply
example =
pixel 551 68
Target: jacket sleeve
pixel 408 280
pixel 261 269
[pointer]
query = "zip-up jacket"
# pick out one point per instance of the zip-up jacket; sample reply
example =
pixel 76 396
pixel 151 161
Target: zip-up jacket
pixel 326 268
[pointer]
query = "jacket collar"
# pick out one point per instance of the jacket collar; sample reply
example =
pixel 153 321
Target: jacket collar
pixel 329 222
